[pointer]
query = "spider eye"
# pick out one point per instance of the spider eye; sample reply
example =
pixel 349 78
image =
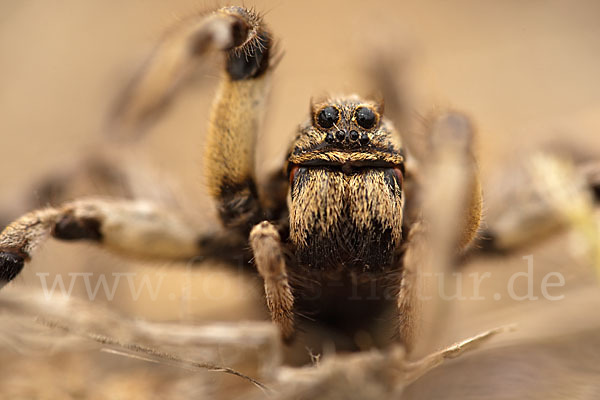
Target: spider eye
pixel 327 117
pixel 365 117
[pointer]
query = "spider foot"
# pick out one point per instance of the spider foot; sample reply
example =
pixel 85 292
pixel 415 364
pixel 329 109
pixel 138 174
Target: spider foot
pixel 249 58
pixel 452 130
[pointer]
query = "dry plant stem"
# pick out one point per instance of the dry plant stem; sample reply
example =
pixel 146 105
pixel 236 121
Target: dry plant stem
pixel 389 371
pixel 382 373
pixel 151 354
pixel 433 360
pixel 86 320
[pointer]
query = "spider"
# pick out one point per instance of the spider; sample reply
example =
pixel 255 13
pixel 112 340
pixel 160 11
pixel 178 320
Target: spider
pixel 336 234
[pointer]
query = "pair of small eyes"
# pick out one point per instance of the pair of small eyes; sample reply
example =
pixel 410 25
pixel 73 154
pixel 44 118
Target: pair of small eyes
pixel 364 116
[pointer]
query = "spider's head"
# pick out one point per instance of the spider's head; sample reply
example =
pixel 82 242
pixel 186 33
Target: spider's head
pixel 349 133
pixel 346 169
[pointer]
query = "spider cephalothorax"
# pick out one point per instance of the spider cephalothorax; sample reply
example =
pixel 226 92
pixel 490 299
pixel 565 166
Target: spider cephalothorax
pixel 346 170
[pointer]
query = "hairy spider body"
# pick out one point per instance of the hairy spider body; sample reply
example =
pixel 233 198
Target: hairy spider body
pixel 346 198
pixel 328 232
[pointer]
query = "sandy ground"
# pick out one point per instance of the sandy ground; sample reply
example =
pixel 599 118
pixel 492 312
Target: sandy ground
pixel 526 72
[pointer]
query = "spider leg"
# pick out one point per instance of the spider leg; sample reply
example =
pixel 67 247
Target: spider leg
pixel 235 119
pixel 94 174
pixel 133 228
pixel 524 213
pixel 236 112
pixel 274 195
pixel 450 178
pixel 408 305
pixel 104 172
pixel 388 71
pixel 450 216
pixel 182 51
pixel 270 262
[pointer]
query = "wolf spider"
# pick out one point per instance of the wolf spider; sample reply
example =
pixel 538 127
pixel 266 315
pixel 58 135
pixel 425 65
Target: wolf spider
pixel 337 234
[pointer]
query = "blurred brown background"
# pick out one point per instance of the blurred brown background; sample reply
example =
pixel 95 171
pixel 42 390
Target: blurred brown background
pixel 526 72
pixel 523 70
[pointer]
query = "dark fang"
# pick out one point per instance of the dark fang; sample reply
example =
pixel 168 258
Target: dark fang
pixel 293 172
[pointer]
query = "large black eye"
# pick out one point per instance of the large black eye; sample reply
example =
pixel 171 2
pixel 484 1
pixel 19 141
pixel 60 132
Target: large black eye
pixel 327 117
pixel 365 117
